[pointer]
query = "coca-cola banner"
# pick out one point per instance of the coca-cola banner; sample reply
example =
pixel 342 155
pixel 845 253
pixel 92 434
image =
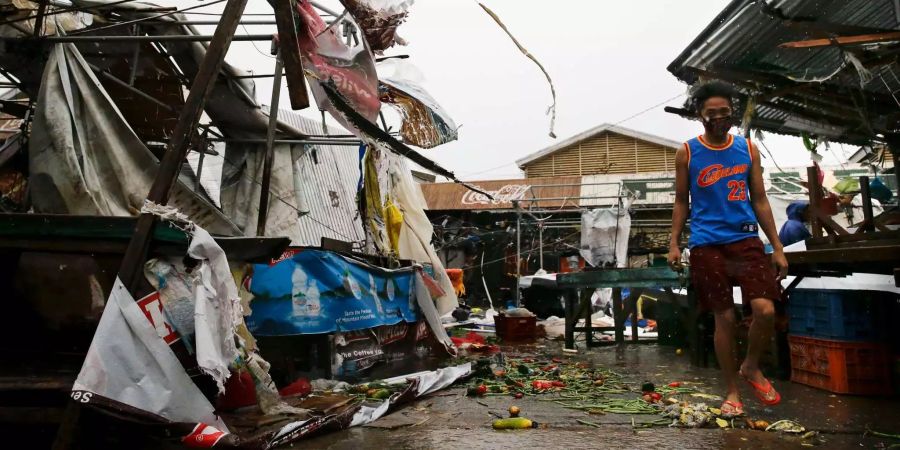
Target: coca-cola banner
pixel 530 192
pixel 313 291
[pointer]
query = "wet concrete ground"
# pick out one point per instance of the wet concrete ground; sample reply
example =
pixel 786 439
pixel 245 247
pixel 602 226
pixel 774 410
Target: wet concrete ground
pixel 449 420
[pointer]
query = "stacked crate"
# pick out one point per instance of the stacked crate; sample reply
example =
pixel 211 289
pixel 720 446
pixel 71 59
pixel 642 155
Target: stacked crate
pixel 839 340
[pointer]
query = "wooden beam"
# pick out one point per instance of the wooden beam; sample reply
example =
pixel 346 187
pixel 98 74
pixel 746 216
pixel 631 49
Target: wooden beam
pixel 847 256
pixel 815 195
pixel 39 18
pixel 868 217
pixel 289 44
pixel 873 38
pixel 888 236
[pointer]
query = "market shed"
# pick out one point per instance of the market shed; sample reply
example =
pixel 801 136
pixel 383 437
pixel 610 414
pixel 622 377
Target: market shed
pixel 604 149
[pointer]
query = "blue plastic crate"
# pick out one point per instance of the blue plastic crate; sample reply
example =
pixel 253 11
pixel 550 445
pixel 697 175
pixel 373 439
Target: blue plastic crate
pixel 840 315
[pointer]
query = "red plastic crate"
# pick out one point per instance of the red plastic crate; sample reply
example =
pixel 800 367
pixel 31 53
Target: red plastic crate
pixel 841 367
pixel 515 328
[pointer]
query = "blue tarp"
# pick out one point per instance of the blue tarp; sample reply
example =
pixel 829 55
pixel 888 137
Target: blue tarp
pixel 315 292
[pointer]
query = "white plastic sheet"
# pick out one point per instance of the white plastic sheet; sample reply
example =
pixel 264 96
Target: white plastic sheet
pixel 85 159
pixel 604 236
pixel 431 314
pixel 217 308
pixel 129 363
pixel 416 232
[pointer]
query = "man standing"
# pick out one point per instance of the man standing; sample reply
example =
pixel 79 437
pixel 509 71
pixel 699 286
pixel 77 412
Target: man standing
pixel 722 176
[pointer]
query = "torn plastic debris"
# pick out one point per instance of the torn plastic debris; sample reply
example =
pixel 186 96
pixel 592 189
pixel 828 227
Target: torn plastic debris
pixel 787 426
pixel 425 123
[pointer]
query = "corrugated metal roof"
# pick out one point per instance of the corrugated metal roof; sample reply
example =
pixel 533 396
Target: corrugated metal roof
pixel 454 196
pixel 593 132
pixel 817 84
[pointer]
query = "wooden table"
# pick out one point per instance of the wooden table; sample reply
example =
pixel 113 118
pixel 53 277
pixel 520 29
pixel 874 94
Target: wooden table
pixel 578 308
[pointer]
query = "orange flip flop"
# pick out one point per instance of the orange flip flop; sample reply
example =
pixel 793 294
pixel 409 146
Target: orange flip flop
pixel 735 409
pixel 764 392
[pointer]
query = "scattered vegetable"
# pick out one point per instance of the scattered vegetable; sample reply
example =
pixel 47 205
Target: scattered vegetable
pixel 514 423
pixel 514 411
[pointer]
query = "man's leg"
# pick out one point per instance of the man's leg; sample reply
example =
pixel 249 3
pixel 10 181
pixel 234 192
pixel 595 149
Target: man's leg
pixel 760 337
pixel 724 342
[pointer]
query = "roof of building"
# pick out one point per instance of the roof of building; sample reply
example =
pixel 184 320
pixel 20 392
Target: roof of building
pixel 594 132
pixel 559 191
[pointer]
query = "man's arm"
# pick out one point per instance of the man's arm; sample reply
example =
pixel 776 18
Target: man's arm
pixel 763 210
pixel 680 209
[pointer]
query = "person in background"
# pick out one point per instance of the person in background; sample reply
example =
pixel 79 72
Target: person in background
pixel 794 230
pixel 718 181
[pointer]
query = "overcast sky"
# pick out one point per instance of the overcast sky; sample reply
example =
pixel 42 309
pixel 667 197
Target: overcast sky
pixel 607 59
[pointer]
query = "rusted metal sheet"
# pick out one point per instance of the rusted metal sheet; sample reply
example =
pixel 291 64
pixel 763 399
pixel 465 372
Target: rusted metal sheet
pixel 330 174
pixel 564 191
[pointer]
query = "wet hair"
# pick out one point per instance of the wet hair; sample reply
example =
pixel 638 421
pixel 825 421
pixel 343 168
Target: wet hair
pixel 709 90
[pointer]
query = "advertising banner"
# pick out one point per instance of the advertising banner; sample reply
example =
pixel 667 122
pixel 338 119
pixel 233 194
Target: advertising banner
pixel 313 292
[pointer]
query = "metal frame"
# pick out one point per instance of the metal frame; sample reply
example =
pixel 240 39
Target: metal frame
pixel 519 212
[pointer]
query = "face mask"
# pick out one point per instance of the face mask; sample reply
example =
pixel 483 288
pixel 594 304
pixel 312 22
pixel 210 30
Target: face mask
pixel 718 126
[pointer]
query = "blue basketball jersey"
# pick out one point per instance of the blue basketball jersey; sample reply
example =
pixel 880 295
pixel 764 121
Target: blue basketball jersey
pixel 721 212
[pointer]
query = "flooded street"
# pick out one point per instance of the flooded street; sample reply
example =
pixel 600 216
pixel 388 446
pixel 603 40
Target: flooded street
pixel 450 420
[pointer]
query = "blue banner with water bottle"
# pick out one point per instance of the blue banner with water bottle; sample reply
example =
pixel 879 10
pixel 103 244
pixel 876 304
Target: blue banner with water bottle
pixel 313 291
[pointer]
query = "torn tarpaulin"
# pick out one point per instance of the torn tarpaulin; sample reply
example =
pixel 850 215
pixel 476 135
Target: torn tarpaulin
pixel 425 123
pixel 379 20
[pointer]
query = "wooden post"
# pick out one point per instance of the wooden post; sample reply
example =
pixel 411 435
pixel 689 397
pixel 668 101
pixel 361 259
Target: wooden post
pixel 634 314
pixel 585 310
pixel 39 18
pixel 618 315
pixel 131 270
pixel 868 223
pixel 815 195
pixel 270 149
pixel 571 317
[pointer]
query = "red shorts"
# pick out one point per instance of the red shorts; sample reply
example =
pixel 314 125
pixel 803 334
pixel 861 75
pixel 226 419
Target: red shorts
pixel 716 269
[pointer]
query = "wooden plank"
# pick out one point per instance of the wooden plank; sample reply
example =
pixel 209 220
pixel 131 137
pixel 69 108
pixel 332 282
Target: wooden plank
pixel 853 238
pixel 882 253
pixel 288 41
pixel 844 40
